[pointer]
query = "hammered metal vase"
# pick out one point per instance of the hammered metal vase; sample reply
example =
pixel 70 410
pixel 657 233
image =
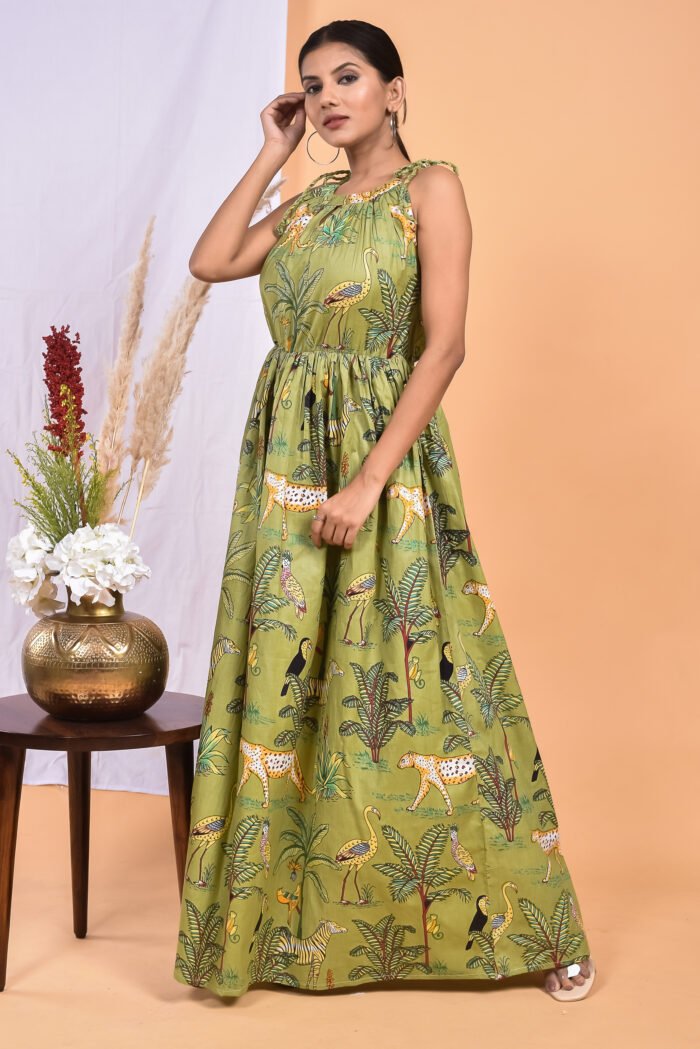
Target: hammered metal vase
pixel 95 662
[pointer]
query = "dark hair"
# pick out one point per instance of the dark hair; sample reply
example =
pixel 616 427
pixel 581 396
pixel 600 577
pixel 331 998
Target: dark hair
pixel 373 43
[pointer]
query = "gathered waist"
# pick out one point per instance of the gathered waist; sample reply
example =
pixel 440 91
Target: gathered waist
pixel 316 349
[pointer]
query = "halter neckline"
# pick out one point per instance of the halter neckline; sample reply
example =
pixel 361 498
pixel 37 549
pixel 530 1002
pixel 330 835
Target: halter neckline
pixel 363 192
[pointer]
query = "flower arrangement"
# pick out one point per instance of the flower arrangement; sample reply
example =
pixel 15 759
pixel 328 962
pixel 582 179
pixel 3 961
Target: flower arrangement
pixel 73 532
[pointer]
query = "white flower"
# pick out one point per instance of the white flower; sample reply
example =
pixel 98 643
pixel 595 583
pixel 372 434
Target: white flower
pixel 93 561
pixel 26 559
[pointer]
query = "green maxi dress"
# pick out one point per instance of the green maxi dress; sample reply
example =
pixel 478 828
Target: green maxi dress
pixel 369 800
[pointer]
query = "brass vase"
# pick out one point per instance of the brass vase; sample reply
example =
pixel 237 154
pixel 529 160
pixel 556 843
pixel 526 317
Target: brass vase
pixel 95 662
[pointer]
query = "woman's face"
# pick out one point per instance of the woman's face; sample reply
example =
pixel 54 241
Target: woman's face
pixel 338 82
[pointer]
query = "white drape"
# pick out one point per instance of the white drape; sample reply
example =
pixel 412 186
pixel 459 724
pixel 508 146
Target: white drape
pixel 112 112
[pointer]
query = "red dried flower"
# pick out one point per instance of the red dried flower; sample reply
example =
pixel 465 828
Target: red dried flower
pixel 62 369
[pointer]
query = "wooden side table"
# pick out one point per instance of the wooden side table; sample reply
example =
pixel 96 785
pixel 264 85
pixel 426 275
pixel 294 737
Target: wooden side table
pixel 174 722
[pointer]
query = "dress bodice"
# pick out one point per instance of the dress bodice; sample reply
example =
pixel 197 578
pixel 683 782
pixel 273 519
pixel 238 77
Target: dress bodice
pixel 345 272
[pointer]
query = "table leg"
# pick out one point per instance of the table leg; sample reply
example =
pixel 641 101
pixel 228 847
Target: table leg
pixel 11 770
pixel 180 762
pixel 79 762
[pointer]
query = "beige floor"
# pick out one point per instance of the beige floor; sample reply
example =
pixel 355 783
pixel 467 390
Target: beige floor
pixel 115 988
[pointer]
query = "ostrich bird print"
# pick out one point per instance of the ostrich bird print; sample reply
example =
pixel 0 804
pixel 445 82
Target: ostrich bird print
pixel 205 833
pixel 356 852
pixel 499 922
pixel 359 592
pixel 345 295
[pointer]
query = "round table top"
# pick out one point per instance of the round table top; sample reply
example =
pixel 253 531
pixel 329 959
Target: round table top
pixel 175 718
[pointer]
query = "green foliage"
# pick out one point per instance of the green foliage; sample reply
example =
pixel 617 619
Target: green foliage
pixel 379 716
pixel 389 330
pixel 505 810
pixel 302 846
pixel 239 869
pixel 296 301
pixel 264 602
pixel 448 540
pixel 388 957
pixel 303 700
pixel 210 760
pixel 330 783
pixel 551 944
pixel 271 957
pixel 457 717
pixel 495 968
pixel 202 952
pixel 235 551
pixel 435 448
pixel 402 610
pixel 56 487
pixel 313 471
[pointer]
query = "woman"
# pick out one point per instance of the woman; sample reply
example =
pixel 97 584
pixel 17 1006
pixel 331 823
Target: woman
pixel 369 800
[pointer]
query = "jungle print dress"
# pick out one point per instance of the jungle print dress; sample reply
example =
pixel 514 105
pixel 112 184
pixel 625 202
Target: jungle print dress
pixel 369 800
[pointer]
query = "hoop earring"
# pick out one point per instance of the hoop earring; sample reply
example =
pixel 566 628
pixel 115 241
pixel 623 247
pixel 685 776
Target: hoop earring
pixel 314 158
pixel 393 122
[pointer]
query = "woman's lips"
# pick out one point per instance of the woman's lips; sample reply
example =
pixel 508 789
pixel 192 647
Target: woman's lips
pixel 335 122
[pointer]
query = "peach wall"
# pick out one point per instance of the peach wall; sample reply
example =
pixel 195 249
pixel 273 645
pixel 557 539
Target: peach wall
pixel 574 127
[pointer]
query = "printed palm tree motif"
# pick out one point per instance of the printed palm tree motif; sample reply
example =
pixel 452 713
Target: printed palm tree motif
pixel 264 602
pixel 550 943
pixel 449 540
pixel 378 715
pixel 302 848
pixel 303 699
pixel 202 950
pixel 495 703
pixel 210 760
pixel 272 957
pixel 495 968
pixel 295 302
pixel 435 450
pixel 404 614
pixel 389 330
pixel 420 872
pixel 505 809
pixel 314 471
pixel 388 958
pixel 235 551
pixel 239 869
pixel 458 717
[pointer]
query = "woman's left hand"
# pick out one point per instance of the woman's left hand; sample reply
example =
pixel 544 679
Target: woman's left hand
pixel 344 513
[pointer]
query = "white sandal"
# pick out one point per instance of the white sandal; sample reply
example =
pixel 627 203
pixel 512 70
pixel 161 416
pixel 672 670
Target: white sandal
pixel 578 990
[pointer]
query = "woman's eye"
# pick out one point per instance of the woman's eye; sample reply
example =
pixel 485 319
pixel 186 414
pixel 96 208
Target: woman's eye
pixel 353 76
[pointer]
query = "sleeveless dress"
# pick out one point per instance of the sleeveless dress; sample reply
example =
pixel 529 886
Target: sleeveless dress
pixel 369 800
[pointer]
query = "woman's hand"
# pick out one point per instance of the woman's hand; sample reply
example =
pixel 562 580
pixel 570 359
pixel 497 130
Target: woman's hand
pixel 344 513
pixel 277 120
